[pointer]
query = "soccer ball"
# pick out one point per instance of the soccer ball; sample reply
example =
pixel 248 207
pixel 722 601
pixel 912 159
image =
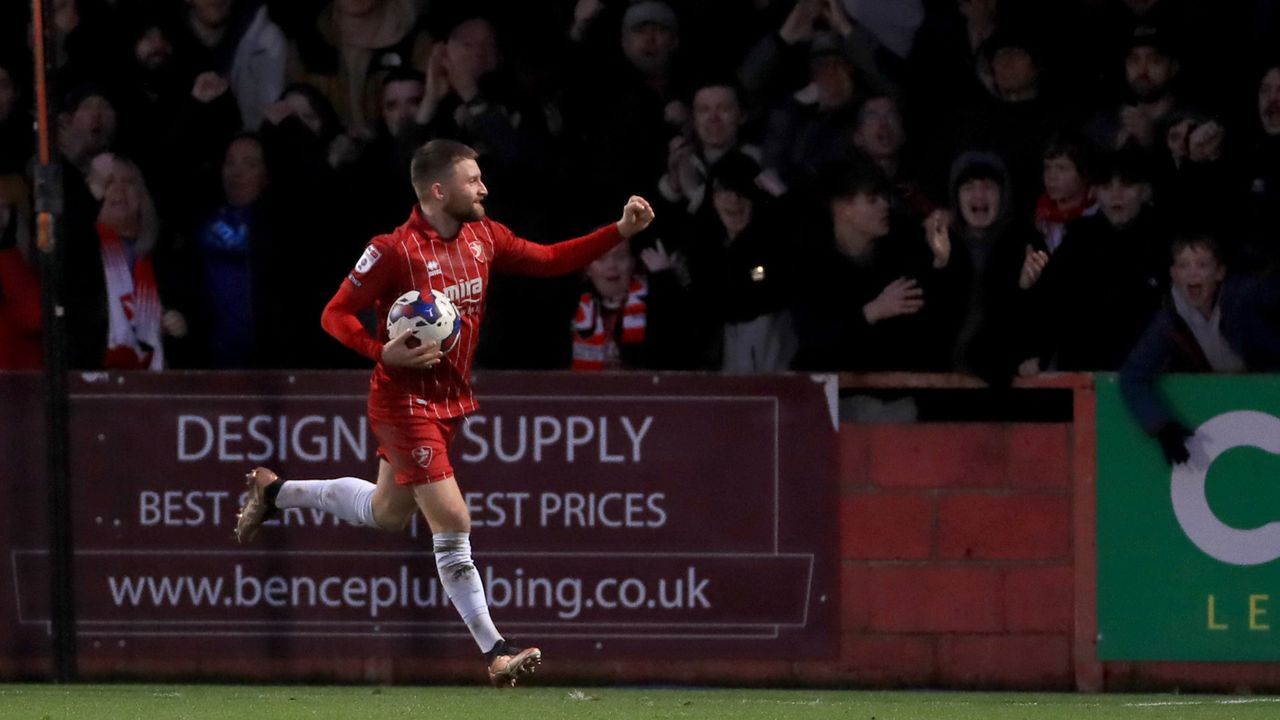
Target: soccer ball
pixel 430 318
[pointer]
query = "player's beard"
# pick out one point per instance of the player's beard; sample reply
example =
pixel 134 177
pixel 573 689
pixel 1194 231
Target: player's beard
pixel 465 210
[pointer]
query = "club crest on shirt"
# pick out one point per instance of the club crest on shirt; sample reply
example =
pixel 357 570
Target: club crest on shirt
pixel 477 249
pixel 367 260
pixel 422 456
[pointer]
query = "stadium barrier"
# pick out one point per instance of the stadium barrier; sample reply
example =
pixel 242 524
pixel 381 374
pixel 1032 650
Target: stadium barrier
pixel 642 528
pixel 961 566
pixel 654 518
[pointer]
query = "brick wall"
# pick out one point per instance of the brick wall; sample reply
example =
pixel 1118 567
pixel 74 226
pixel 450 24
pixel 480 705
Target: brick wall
pixel 957 555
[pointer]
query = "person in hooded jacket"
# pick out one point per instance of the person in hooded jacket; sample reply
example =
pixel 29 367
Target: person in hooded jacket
pixel 989 244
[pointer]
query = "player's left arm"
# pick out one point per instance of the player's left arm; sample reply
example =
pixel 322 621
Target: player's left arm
pixel 516 255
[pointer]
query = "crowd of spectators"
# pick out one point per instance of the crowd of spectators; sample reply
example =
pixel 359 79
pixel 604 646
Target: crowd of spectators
pixel 978 186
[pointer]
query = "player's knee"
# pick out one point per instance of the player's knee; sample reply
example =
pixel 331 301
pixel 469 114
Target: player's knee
pixel 452 521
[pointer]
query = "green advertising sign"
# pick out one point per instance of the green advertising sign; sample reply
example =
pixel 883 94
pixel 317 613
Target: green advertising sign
pixel 1189 556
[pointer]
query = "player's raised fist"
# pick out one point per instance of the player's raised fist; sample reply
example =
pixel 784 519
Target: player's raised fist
pixel 636 216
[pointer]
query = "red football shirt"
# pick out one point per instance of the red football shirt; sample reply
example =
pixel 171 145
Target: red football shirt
pixel 415 257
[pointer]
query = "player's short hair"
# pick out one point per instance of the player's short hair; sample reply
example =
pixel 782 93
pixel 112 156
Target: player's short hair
pixel 434 161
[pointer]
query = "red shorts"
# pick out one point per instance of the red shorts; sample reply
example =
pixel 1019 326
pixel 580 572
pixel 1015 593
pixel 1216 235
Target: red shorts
pixel 416 447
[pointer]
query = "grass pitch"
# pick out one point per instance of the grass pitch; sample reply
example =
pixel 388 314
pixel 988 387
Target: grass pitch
pixel 251 702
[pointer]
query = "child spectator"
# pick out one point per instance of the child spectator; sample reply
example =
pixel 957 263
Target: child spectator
pixel 1066 196
pixel 621 318
pixel 1213 322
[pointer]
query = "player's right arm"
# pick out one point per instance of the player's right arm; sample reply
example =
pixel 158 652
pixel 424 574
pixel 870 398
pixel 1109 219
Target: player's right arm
pixel 372 275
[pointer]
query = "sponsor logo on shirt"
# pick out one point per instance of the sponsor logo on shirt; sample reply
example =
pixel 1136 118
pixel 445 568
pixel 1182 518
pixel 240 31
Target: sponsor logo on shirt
pixel 467 291
pixel 433 269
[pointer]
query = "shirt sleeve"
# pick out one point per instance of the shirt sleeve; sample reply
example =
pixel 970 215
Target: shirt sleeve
pixel 1138 376
pixel 518 256
pixel 370 277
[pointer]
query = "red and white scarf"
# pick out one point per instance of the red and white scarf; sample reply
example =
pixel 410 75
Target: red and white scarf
pixel 133 307
pixel 1052 219
pixel 591 339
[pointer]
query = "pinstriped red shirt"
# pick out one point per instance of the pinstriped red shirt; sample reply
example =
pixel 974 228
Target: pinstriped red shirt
pixel 415 257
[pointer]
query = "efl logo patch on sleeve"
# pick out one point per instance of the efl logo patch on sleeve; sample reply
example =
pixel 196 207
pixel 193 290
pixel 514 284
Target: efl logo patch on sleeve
pixel 367 260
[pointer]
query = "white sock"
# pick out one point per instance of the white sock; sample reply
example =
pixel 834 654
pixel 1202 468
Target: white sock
pixel 349 498
pixel 461 582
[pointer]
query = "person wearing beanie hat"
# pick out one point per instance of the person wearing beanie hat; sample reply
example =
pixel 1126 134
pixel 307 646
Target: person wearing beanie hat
pixel 1014 117
pixel 87 127
pixel 811 126
pixel 87 123
pixel 650 36
pixel 650 12
pixel 627 96
pixel 1013 62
